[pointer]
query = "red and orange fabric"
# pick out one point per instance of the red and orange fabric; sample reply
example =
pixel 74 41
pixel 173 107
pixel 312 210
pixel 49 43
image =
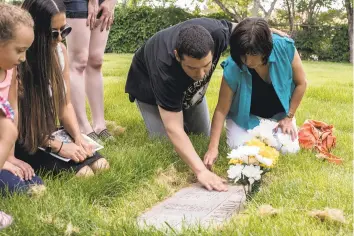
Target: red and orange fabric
pixel 319 136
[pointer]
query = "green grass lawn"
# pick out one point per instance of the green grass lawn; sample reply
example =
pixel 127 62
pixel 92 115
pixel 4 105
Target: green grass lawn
pixel 144 172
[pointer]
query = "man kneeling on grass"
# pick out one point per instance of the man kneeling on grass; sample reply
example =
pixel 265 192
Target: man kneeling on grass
pixel 168 78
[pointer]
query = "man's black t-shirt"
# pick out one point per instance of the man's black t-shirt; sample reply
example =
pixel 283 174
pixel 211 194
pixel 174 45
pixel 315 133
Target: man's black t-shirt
pixel 156 77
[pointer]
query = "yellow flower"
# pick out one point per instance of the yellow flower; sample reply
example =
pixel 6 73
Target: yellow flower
pixel 269 152
pixel 264 150
pixel 256 142
pixel 234 162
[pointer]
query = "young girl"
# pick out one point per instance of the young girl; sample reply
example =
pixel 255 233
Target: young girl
pixel 16 35
pixel 43 93
pixel 8 137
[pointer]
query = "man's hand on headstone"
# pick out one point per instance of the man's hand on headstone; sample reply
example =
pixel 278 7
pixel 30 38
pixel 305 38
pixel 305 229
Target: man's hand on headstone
pixel 210 158
pixel 211 181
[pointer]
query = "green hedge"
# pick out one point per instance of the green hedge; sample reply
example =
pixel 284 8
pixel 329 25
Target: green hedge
pixel 133 26
pixel 327 43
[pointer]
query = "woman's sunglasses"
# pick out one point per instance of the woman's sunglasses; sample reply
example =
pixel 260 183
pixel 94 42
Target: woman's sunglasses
pixel 63 32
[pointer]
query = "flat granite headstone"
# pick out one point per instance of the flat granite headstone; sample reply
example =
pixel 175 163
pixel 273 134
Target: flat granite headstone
pixel 195 206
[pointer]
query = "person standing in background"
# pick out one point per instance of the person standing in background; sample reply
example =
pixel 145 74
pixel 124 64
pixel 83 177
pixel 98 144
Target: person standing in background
pixel 90 21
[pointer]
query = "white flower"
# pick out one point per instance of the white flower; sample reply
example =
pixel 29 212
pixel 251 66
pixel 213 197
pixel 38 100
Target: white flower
pixel 266 161
pixel 255 131
pixel 243 152
pixel 235 172
pixel 270 140
pixel 253 173
pixel 264 132
pixel 287 145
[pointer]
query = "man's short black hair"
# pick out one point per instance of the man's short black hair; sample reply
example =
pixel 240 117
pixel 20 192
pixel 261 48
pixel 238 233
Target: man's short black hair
pixel 251 36
pixel 194 41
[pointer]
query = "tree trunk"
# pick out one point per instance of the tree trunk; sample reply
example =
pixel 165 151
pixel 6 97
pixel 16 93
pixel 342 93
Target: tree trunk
pixel 235 15
pixel 255 8
pixel 349 7
pixel 269 12
pixel 290 15
pixel 293 12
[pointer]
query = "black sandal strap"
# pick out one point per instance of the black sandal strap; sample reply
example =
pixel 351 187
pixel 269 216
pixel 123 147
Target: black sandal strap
pixel 93 136
pixel 104 134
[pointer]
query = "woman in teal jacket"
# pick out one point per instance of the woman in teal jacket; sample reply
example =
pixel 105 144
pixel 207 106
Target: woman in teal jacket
pixel 263 78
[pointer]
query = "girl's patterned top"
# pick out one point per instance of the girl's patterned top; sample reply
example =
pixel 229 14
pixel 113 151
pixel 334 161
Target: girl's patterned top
pixel 6 108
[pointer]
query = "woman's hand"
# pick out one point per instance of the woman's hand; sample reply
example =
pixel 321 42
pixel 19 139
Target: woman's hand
pixel 27 170
pixel 107 16
pixel 73 152
pixel 287 127
pixel 92 13
pixel 13 169
pixel 88 148
pixel 210 157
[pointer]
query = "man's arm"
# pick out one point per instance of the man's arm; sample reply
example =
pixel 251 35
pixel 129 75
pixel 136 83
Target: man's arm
pixel 173 122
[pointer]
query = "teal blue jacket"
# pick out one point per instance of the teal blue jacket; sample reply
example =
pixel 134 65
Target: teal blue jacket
pixel 240 81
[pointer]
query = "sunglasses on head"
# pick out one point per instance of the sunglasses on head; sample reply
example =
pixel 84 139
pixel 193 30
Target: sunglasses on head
pixel 63 32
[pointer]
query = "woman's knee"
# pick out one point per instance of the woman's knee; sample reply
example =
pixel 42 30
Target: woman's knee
pixel 232 141
pixel 79 62
pixel 235 135
pixel 100 165
pixel 95 60
pixel 85 171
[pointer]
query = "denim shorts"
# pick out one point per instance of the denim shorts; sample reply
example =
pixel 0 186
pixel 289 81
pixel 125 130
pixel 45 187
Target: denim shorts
pixel 77 8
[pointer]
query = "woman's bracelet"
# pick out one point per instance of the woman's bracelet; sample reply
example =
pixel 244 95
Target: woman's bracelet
pixel 62 143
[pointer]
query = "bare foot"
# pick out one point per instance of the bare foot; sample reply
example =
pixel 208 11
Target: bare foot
pixel 85 171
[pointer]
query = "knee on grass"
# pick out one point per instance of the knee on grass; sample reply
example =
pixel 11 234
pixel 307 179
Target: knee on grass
pixel 85 171
pixel 100 165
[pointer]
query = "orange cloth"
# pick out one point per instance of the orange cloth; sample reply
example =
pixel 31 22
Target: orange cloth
pixel 319 136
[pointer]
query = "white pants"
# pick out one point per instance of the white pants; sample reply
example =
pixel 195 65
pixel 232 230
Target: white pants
pixel 237 136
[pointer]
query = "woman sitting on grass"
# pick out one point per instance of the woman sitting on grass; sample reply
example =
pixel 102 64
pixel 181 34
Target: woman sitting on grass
pixel 43 93
pixel 263 78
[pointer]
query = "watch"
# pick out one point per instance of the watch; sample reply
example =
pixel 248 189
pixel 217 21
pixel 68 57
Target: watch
pixel 49 147
pixel 290 115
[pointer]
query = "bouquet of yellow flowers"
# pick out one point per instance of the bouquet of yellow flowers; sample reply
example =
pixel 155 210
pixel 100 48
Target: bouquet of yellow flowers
pixel 260 154
pixel 250 161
